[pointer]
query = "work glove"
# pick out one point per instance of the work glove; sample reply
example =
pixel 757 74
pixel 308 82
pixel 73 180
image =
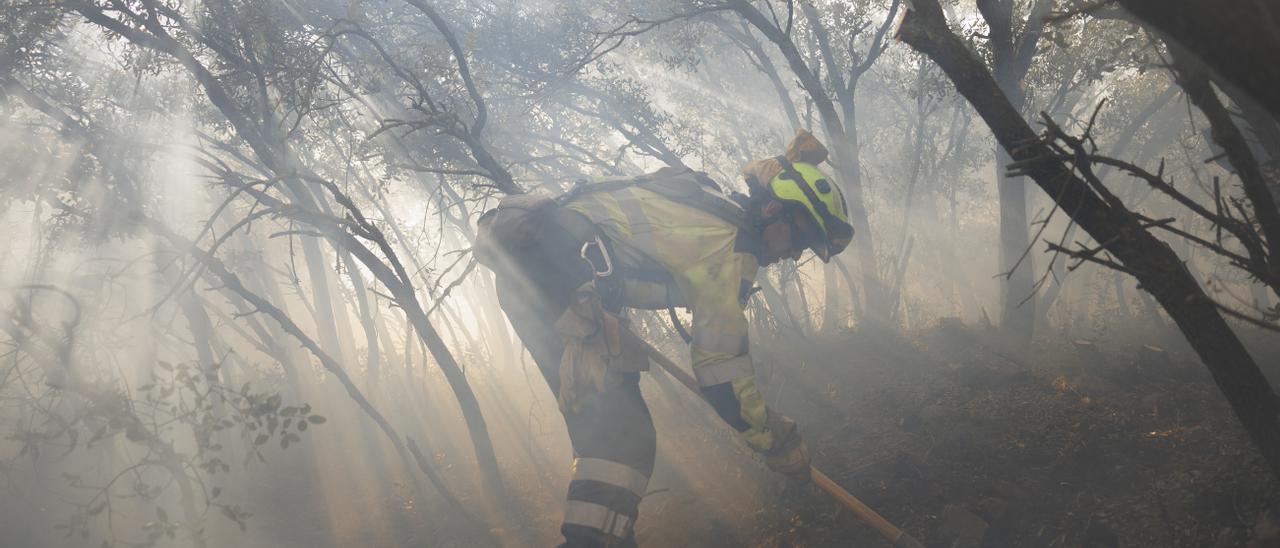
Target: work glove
pixel 789 455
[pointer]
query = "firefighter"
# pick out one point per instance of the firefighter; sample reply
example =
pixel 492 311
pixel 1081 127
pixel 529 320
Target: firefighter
pixel 565 267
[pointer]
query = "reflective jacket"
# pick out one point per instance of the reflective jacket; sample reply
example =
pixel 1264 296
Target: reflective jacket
pixel 671 251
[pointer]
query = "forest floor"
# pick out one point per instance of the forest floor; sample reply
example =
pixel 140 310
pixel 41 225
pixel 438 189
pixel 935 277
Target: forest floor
pixel 1099 443
pixel 1088 444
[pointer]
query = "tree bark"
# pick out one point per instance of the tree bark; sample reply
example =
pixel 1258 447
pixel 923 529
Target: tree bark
pixel 1238 38
pixel 231 282
pixel 1194 78
pixel 844 147
pixel 276 156
pixel 1157 268
pixel 1011 59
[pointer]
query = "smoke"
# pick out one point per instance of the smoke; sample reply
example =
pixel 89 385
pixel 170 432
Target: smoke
pixel 147 398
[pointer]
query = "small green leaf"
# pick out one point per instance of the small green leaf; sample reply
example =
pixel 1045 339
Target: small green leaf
pixel 162 515
pixel 316 419
pixel 262 438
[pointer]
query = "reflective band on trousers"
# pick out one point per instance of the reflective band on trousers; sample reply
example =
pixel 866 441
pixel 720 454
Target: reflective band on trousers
pixel 612 473
pixel 595 516
pixel 712 340
pixel 729 370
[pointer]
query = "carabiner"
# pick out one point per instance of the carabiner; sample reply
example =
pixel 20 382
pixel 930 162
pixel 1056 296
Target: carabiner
pixel 608 264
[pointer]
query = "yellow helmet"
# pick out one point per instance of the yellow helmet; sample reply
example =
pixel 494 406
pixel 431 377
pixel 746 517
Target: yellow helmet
pixel 804 185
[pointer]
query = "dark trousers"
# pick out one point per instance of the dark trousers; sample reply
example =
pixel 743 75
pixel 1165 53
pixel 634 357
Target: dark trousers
pixel 612 433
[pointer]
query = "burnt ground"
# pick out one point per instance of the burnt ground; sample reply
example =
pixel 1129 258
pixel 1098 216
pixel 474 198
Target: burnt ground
pixel 1087 443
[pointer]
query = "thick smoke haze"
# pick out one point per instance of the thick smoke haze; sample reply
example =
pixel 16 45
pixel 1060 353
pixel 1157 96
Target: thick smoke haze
pixel 241 305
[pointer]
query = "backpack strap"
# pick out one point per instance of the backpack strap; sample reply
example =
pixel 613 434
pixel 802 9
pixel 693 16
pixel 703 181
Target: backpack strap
pixel 698 196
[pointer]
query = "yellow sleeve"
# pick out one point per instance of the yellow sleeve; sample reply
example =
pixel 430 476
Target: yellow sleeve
pixel 720 348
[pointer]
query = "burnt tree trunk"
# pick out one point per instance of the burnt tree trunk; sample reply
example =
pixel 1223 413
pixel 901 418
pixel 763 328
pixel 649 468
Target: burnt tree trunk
pixel 1193 76
pixel 1236 37
pixel 1157 268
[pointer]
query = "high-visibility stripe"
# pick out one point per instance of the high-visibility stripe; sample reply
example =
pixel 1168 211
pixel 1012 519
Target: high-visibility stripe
pixel 713 340
pixel 610 472
pixel 595 516
pixel 729 370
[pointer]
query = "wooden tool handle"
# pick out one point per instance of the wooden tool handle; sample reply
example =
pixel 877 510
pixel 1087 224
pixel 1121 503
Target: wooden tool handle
pixel 859 509
pixel 864 512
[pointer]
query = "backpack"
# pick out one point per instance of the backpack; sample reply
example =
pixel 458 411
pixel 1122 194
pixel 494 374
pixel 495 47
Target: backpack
pixel 519 220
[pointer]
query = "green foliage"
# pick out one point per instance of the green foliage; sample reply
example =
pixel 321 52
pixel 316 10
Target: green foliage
pixel 178 424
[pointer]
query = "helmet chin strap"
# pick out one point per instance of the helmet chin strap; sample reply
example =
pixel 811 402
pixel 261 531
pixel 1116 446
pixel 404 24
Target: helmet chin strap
pixel 761 219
